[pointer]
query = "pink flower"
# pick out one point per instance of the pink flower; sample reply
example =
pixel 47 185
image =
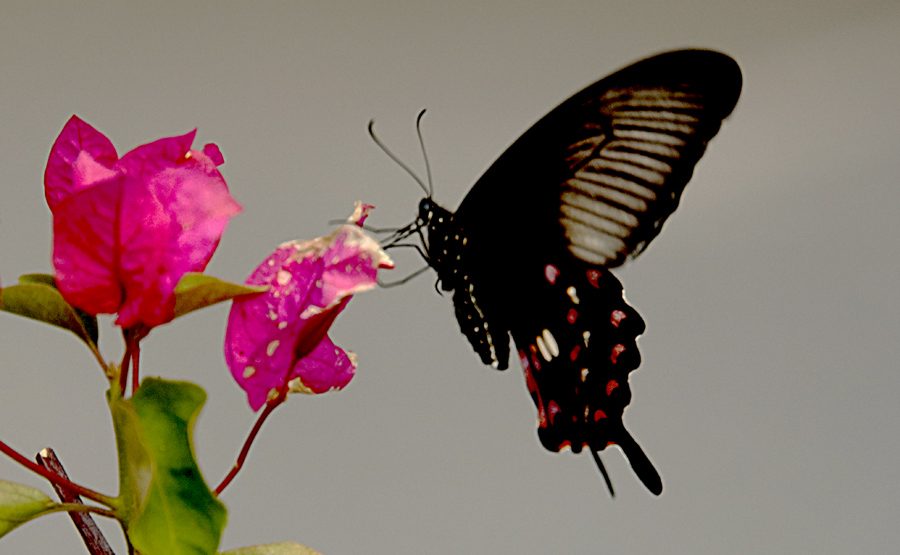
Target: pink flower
pixel 277 340
pixel 125 230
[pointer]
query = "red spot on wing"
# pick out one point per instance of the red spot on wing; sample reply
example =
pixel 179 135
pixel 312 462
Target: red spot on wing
pixel 574 354
pixel 551 272
pixel 598 414
pixel 564 444
pixel 608 443
pixel 553 409
pixel 523 358
pixel 535 362
pixel 593 278
pixel 617 316
pixel 533 389
pixel 610 386
pixel 542 416
pixel 529 379
pixel 572 315
pixel 616 351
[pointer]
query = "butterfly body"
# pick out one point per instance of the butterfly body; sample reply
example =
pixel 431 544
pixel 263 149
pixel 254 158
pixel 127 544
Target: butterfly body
pixel 528 252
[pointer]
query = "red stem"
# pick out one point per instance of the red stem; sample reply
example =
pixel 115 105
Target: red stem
pixel 91 535
pixel 135 363
pixel 132 336
pixel 53 477
pixel 126 362
pixel 270 406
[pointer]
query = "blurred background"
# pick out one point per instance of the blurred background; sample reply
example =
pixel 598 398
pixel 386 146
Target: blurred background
pixel 768 394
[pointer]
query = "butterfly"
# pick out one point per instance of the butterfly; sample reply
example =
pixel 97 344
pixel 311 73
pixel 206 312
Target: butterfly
pixel 529 251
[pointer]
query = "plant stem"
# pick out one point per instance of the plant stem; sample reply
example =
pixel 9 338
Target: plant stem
pixel 132 336
pixel 270 406
pixel 135 365
pixel 126 363
pixel 90 533
pixel 55 478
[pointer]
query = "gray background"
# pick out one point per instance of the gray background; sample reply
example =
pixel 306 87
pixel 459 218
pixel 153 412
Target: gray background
pixel 768 395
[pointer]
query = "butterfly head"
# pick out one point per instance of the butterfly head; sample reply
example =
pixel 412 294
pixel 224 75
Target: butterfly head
pixel 426 211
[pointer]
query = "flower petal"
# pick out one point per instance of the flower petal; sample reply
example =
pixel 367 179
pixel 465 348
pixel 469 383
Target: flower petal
pixel 171 225
pixel 280 336
pixel 326 368
pixel 148 160
pixel 351 259
pixel 127 230
pixel 84 247
pixel 360 213
pixel 214 154
pixel 76 137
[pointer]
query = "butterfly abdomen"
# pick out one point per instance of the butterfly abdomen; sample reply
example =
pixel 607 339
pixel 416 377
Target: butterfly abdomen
pixel 446 248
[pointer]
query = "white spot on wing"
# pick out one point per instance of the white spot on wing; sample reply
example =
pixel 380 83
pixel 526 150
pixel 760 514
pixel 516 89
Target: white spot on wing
pixel 636 159
pixel 628 193
pixel 542 348
pixel 601 225
pixel 650 141
pixel 590 246
pixel 662 125
pixel 551 343
pixel 572 294
pixel 638 172
pixel 487 334
pixel 580 201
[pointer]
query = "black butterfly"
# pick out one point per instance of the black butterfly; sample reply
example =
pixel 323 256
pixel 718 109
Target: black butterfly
pixel 528 252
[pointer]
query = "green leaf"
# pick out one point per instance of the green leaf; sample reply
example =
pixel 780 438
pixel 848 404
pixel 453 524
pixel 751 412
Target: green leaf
pixel 135 464
pixel 45 279
pixel 166 507
pixel 37 297
pixel 284 548
pixel 196 291
pixel 19 504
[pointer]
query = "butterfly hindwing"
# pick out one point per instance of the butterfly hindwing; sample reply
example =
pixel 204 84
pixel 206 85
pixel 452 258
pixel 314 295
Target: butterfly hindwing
pixel 577 348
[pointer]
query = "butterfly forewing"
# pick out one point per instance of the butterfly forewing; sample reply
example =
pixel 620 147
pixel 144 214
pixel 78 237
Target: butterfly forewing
pixel 631 178
pixel 612 161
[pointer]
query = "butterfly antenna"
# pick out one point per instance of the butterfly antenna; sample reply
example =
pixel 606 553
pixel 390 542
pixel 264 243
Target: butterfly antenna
pixel 602 468
pixel 394 158
pixel 424 153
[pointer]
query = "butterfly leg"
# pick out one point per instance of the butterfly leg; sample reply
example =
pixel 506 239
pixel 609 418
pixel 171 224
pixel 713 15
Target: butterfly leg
pixel 389 284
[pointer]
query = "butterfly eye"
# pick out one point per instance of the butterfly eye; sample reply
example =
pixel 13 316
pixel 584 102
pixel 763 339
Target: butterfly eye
pixel 426 209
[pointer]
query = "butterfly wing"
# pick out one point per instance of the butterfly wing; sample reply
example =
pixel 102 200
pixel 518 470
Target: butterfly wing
pixel 588 186
pixel 577 346
pixel 601 172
